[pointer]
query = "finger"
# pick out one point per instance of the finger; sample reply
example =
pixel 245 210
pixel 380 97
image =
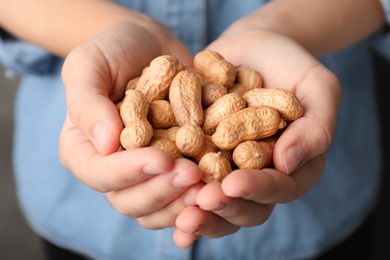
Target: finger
pixel 240 212
pixel 155 193
pixel 115 171
pixel 166 216
pixel 89 106
pixel 193 220
pixel 311 135
pixel 182 239
pixel 269 186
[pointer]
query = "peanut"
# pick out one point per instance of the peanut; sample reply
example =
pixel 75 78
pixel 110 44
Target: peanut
pixel 212 92
pixel 228 154
pixel 249 155
pixel 208 147
pixel 251 123
pixel 269 145
pixel 160 114
pixel 169 133
pixel 133 111
pixel 254 154
pixel 167 146
pixel 215 167
pixel 189 139
pixel 185 95
pixel 132 84
pixel 220 109
pixel 215 114
pixel 214 69
pixel 284 101
pixel 154 82
pixel 246 79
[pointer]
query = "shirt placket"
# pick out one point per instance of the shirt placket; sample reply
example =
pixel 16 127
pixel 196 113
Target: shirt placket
pixel 187 21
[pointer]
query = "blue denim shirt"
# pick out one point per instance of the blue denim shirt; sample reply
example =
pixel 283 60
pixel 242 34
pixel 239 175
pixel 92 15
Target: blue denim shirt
pixel 72 215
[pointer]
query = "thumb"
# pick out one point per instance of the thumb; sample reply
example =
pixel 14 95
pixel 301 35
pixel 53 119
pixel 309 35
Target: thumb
pixel 89 106
pixel 102 124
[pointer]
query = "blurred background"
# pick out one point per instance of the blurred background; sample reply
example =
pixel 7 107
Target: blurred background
pixel 17 241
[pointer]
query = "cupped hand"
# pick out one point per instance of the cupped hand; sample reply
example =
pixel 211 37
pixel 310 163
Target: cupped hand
pixel 137 182
pixel 246 198
pixel 96 72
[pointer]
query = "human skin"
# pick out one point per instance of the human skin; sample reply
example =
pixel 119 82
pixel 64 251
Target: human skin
pixel 296 32
pixel 272 35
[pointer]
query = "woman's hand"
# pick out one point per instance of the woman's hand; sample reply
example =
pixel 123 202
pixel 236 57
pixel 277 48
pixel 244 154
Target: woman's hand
pixel 246 198
pixel 137 182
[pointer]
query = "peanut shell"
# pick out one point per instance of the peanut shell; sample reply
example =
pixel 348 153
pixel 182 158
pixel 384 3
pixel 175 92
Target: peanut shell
pixel 251 123
pixel 214 69
pixel 215 167
pixel 160 114
pixel 185 95
pixel 284 101
pixel 166 145
pixel 154 82
pixel 189 139
pixel 220 109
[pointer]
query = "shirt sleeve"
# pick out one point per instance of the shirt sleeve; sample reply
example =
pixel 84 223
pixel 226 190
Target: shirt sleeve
pixel 21 57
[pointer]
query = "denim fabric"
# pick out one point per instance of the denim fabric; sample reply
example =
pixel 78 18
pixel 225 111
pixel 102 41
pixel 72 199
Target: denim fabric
pixel 71 215
pixel 386 8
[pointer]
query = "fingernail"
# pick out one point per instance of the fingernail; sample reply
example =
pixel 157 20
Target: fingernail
pixel 198 231
pixel 220 207
pixel 152 169
pixel 189 200
pixel 292 158
pixel 180 182
pixel 100 132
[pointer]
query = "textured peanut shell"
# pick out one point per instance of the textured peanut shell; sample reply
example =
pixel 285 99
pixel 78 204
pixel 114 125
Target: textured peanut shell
pixel 211 93
pixel 246 79
pixel 208 147
pixel 136 134
pixel 185 95
pixel 284 101
pixel 214 69
pixel 269 145
pixel 250 155
pixel 133 112
pixel 167 146
pixel 132 84
pixel 134 105
pixel 169 133
pixel 254 154
pixel 160 114
pixel 220 109
pixel 215 167
pixel 251 123
pixel 154 82
pixel 238 88
pixel 228 154
pixel 189 139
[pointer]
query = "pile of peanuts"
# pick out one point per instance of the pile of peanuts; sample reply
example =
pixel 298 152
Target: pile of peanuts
pixel 215 114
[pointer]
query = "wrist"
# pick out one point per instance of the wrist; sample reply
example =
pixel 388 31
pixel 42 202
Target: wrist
pixel 319 26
